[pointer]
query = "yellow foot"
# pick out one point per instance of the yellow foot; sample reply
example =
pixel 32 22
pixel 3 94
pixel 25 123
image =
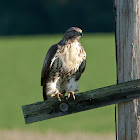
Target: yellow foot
pixel 73 94
pixel 62 95
pixel 69 94
pixel 58 95
pixel 53 95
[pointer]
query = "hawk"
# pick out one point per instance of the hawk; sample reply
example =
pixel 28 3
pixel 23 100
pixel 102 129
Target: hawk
pixel 63 66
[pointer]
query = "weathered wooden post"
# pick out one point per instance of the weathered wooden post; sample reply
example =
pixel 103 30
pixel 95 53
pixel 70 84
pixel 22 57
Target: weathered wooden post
pixel 128 64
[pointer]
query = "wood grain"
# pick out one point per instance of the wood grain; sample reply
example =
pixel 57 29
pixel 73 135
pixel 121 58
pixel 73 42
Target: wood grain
pixel 128 64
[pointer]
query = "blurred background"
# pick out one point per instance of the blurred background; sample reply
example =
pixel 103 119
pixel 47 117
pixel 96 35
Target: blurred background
pixel 27 30
pixel 55 16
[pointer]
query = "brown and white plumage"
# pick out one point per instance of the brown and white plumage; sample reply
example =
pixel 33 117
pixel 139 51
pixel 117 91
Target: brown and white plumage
pixel 63 65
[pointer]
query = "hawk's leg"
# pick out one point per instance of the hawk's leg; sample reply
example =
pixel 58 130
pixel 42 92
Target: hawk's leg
pixel 72 93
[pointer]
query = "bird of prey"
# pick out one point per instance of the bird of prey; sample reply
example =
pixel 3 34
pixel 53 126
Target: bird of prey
pixel 63 66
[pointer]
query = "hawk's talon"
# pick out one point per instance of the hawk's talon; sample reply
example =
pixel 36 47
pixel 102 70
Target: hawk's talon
pixel 58 95
pixel 59 99
pixel 73 95
pixel 53 95
pixel 62 96
pixel 69 93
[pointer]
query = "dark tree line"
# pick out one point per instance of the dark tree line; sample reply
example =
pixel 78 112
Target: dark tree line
pixel 55 16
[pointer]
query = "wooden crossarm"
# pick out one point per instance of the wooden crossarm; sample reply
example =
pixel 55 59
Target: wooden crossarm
pixel 84 101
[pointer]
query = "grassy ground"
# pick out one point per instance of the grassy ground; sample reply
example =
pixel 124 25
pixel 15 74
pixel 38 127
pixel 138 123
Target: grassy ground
pixel 21 60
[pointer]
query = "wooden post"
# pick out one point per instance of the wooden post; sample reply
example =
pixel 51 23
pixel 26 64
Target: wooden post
pixel 128 64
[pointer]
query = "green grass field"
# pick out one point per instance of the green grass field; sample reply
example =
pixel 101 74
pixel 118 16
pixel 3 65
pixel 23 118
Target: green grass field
pixel 21 60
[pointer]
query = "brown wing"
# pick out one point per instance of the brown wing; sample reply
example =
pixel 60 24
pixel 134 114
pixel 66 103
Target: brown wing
pixel 47 62
pixel 80 70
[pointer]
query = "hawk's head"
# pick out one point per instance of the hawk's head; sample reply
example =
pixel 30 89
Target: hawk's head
pixel 73 33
